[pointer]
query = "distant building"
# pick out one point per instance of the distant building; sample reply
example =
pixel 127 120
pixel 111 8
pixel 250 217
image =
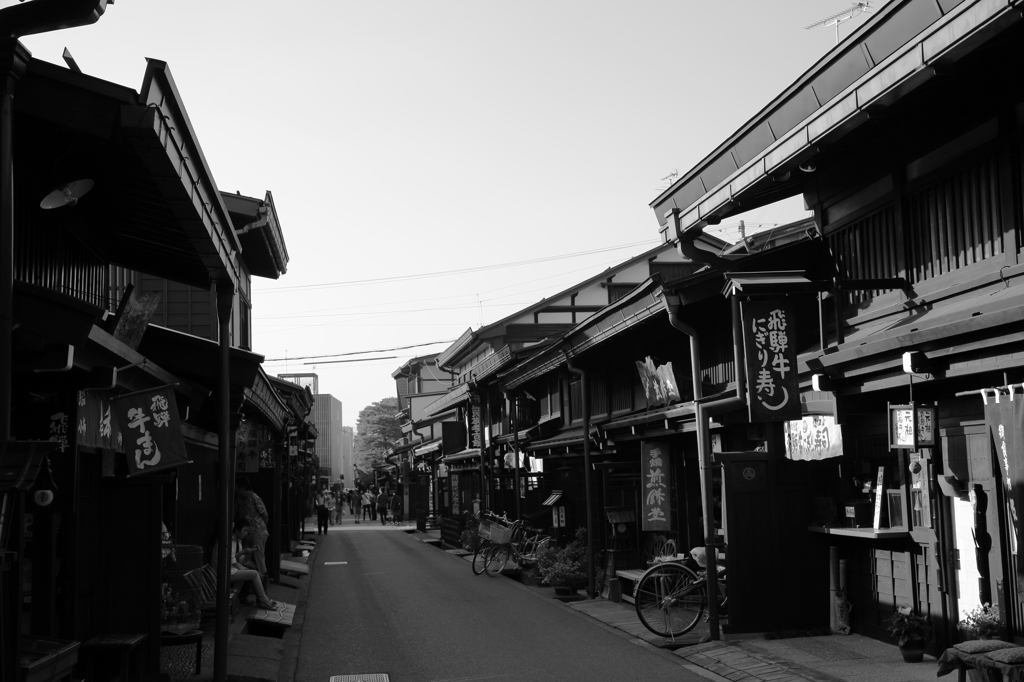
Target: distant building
pixel 334 445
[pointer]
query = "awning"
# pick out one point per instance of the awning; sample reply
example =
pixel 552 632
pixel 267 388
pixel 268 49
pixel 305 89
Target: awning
pixel 937 327
pixel 564 439
pixel 678 411
pixel 553 499
pixel 468 453
pixel 428 449
pixel 453 397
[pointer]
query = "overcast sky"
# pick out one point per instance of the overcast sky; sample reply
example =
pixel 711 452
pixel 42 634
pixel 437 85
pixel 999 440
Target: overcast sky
pixel 421 137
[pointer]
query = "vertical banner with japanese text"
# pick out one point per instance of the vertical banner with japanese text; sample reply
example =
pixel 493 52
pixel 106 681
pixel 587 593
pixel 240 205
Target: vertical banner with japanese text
pixel 656 469
pixel 246 447
pixel 1005 420
pixel 150 430
pixel 769 335
pixel 96 426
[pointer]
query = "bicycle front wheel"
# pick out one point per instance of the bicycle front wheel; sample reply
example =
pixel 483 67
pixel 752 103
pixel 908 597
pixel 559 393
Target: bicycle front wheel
pixel 480 556
pixel 497 557
pixel 669 599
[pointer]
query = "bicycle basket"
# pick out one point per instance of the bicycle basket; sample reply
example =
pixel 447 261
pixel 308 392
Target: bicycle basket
pixel 495 532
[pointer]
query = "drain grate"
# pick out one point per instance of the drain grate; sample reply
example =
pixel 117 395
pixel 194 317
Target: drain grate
pixel 365 677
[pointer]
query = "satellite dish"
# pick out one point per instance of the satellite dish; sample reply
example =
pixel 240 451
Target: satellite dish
pixel 66 195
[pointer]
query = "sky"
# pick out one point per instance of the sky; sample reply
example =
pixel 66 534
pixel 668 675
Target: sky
pixel 438 165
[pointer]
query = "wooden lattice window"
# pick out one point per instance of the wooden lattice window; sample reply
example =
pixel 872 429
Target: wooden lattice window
pixel 954 222
pixel 866 249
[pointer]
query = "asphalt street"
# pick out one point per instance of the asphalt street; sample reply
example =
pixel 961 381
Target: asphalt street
pixel 380 601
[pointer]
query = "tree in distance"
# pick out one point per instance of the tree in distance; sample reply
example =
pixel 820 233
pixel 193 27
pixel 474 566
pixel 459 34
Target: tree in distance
pixel 378 430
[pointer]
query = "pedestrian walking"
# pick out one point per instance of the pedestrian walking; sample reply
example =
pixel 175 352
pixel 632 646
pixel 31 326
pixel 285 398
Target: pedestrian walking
pixel 357 502
pixel 332 506
pixel 382 507
pixel 369 504
pixel 397 509
pixel 349 497
pixel 322 515
pixel 249 506
pixel 339 507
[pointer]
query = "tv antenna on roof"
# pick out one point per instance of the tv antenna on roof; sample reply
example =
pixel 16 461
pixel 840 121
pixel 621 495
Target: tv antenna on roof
pixel 840 17
pixel 669 179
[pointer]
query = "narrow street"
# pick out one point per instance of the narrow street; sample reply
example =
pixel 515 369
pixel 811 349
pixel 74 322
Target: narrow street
pixel 417 613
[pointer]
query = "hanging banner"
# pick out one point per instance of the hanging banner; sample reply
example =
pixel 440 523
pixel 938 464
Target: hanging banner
pixel 246 447
pixel 96 426
pixel 813 438
pixel 659 382
pixel 773 390
pixel 151 431
pixel 1005 420
pixel 656 469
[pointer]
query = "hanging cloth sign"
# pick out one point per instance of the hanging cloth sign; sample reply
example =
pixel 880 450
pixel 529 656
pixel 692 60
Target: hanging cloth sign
pixel 96 426
pixel 657 507
pixel 151 431
pixel 769 336
pixel 1005 420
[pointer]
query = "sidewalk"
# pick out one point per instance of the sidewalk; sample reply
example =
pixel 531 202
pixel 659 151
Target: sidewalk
pixel 836 658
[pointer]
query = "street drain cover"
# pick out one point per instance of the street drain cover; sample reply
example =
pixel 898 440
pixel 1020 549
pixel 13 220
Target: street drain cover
pixel 365 677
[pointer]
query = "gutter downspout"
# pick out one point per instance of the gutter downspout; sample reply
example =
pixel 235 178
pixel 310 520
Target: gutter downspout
pixel 704 412
pixel 585 399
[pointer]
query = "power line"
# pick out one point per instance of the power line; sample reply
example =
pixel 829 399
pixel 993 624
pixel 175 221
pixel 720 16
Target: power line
pixel 462 271
pixel 358 352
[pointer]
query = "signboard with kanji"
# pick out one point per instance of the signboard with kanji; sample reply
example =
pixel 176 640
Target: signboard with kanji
pixel 813 438
pixel 96 427
pixel 246 447
pixel 769 334
pixel 150 430
pixel 911 427
pixel 656 468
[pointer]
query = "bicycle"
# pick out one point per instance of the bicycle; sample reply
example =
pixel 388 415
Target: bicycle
pixel 488 521
pixel 518 543
pixel 670 597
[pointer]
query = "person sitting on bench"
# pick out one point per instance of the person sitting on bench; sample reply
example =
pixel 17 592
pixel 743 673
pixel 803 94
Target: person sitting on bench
pixel 241 560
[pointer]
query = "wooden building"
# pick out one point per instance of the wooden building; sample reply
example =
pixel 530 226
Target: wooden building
pixel 110 183
pixel 906 141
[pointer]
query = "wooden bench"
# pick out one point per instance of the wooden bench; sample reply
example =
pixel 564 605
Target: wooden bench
pixel 204 579
pixel 655 546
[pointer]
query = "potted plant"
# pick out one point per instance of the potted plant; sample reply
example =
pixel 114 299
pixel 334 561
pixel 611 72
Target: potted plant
pixel 982 622
pixel 910 631
pixel 565 567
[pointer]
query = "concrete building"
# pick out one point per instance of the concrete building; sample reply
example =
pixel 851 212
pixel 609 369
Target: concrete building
pixel 334 446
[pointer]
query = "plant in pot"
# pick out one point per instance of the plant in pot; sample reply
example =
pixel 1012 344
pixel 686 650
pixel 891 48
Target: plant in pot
pixel 910 631
pixel 565 567
pixel 982 622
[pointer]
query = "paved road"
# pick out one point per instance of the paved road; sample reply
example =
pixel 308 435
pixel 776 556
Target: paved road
pixel 405 608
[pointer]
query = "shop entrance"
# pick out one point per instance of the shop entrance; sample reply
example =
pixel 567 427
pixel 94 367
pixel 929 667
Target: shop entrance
pixel 769 504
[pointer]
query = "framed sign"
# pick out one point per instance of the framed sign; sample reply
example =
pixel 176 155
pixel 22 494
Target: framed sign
pixel 911 427
pixel 901 427
pixel 925 426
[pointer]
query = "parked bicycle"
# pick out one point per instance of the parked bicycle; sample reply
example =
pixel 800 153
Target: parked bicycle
pixel 488 521
pixel 671 596
pixel 507 541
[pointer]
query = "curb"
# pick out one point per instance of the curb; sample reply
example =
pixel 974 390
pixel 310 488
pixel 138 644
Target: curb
pixel 293 636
